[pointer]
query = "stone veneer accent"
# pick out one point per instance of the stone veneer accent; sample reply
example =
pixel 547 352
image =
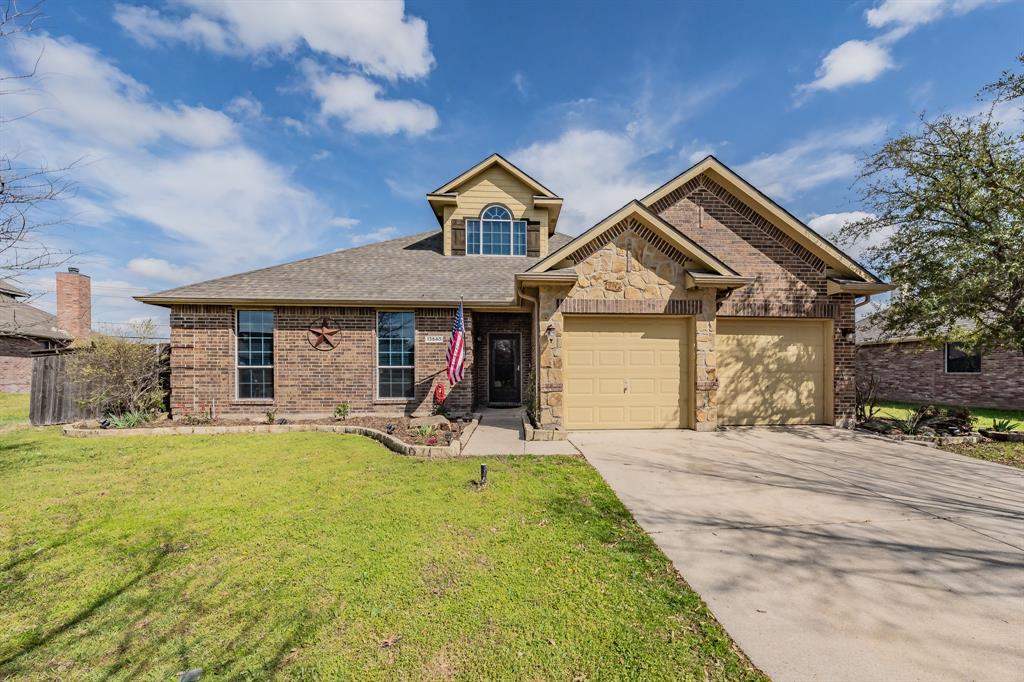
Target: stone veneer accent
pixel 627 275
pixel 306 381
pixel 915 372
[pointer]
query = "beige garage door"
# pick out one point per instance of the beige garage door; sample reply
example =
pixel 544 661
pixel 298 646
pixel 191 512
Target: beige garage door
pixel 772 371
pixel 626 372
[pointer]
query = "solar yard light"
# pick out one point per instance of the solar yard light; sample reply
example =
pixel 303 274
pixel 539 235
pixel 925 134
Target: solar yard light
pixel 483 474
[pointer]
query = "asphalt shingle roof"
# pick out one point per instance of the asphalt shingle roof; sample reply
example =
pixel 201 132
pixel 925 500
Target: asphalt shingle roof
pixel 409 269
pixel 21 319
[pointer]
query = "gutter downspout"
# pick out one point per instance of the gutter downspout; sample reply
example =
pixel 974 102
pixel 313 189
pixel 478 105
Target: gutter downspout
pixel 867 299
pixel 535 344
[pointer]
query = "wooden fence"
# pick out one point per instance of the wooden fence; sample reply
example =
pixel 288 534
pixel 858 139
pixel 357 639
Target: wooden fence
pixel 54 397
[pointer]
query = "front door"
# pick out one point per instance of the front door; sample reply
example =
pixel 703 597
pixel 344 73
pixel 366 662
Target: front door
pixel 503 379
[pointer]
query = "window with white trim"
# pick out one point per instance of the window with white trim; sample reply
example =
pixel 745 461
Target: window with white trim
pixel 396 346
pixel 959 361
pixel 496 233
pixel 254 354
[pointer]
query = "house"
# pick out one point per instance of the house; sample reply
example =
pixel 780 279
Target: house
pixel 25 329
pixel 703 303
pixel 913 370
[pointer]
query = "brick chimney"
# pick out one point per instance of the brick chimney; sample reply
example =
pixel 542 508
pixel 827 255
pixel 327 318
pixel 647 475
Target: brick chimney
pixel 74 304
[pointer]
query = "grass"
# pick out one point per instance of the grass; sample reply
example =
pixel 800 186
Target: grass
pixel 13 408
pixel 985 416
pixel 321 556
pixel 1011 454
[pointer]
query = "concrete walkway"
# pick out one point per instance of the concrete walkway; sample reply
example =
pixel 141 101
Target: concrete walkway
pixel 500 432
pixel 828 555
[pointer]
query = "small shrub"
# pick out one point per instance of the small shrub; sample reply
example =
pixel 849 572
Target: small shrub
pixel 440 409
pixel 426 431
pixel 129 420
pixel 196 419
pixel 866 395
pixel 1004 425
pixel 121 374
pixel 915 420
pixel 270 416
pixel 342 411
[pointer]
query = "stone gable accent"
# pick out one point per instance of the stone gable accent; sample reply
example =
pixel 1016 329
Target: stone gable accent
pixel 644 233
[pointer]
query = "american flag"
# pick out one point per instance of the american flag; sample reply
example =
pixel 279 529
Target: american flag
pixel 457 349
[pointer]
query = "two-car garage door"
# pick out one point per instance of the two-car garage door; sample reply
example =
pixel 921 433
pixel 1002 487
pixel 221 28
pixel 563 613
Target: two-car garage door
pixel 634 372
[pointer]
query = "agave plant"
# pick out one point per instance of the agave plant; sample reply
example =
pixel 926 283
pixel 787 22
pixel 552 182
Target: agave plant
pixel 1004 425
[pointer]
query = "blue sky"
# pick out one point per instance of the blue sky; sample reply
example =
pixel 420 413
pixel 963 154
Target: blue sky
pixel 216 138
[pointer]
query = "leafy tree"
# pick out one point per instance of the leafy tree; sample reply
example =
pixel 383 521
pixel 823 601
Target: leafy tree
pixel 948 203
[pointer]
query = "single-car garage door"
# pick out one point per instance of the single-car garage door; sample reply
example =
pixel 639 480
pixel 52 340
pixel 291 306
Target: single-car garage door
pixel 772 371
pixel 627 372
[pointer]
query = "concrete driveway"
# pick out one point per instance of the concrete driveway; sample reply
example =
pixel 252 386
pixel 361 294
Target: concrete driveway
pixel 834 556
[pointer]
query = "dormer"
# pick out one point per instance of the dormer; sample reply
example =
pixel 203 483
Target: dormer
pixel 495 209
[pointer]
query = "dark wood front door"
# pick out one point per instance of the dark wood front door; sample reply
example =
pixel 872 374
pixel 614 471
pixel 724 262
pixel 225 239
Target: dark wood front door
pixel 503 369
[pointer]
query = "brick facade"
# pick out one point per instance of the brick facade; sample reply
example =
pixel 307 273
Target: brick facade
pixel 16 363
pixel 915 373
pixel 306 381
pixel 789 280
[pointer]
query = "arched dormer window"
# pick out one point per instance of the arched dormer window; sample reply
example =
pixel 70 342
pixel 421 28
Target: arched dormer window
pixel 496 233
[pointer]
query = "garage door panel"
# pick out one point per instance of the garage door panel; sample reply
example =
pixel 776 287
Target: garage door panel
pixel 771 371
pixel 643 384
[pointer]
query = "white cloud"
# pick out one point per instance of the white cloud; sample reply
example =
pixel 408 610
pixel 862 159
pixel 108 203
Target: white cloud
pixel 106 105
pixel 245 107
pixel 815 160
pixel 862 61
pixel 207 192
pixel 521 83
pixel 321 155
pixel 158 268
pixel 828 226
pixel 378 37
pixel 343 222
pixel 356 102
pixel 855 61
pixel 374 235
pixel 595 170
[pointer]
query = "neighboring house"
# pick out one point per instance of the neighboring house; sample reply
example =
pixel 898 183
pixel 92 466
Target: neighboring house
pixel 704 303
pixel 25 329
pixel 910 369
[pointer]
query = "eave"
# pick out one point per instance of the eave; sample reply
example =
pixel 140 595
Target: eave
pixel 242 302
pixel 710 280
pixel 856 287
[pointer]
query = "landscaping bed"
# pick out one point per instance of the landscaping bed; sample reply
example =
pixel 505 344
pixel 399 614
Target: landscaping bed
pixel 407 429
pixel 323 556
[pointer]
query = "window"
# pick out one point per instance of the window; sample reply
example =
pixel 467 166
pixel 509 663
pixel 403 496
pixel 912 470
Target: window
pixel 396 341
pixel 496 234
pixel 255 354
pixel 960 362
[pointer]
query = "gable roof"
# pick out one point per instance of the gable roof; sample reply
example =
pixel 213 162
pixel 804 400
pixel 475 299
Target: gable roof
pixel 411 270
pixel 769 210
pixel 634 209
pixel 495 160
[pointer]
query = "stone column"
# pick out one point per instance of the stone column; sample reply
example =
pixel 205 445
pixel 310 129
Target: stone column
pixel 550 398
pixel 705 396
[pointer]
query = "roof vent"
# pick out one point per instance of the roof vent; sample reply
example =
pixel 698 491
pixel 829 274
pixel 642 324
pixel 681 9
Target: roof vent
pixel 73 271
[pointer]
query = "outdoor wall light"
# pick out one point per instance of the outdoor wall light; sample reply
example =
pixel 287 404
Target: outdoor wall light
pixel 850 335
pixel 550 332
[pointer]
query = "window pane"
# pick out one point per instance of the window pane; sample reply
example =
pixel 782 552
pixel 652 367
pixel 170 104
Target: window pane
pixel 497 213
pixel 256 383
pixel 497 237
pixel 395 383
pixel 959 362
pixel 472 236
pixel 519 238
pixel 255 338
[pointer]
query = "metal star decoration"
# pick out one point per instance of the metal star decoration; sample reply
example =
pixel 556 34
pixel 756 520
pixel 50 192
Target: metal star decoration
pixel 321 337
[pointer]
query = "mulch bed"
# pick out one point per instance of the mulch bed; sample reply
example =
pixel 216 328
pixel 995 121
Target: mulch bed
pixel 401 427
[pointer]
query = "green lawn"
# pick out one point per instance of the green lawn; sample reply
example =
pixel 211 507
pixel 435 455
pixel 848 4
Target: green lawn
pixel 321 556
pixel 985 416
pixel 13 408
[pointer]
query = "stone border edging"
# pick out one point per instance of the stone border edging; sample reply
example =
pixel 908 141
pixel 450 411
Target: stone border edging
pixel 920 439
pixel 531 433
pixel 388 441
